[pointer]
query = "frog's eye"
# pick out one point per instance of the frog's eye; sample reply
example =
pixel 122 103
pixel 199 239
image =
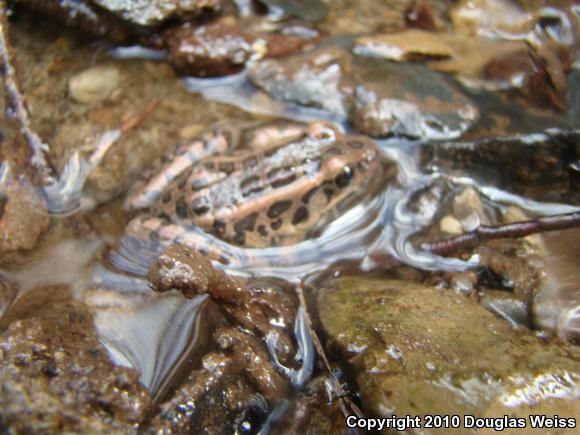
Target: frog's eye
pixel 343 179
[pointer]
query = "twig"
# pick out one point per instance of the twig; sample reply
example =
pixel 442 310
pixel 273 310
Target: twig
pixel 343 395
pixel 514 230
pixel 40 159
pixel 136 120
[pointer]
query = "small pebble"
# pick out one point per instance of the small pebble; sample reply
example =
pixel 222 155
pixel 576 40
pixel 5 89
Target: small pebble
pixel 94 84
pixel 450 225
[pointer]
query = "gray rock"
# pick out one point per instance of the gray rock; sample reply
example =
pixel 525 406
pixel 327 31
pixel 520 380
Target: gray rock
pixel 378 98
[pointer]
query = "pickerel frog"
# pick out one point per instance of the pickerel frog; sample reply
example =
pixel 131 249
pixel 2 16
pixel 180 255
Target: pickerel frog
pixel 278 195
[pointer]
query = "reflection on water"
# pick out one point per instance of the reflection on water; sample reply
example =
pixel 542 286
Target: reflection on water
pixel 544 387
pixel 154 334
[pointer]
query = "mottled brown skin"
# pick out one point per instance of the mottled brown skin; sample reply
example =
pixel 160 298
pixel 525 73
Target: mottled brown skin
pixel 275 197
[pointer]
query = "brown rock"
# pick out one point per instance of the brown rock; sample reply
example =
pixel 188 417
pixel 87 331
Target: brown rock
pixel 213 49
pixel 22 217
pixel 56 377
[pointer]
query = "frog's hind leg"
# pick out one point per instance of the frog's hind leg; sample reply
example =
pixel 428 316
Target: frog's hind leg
pixel 145 239
pixel 150 187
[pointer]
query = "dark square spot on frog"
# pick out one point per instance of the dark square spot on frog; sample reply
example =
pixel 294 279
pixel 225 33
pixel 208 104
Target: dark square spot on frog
pixel 209 165
pixel 166 197
pixel 328 190
pixel 182 183
pixel 278 208
pixel 219 226
pixel 308 195
pixel 246 224
pixel 300 215
pixel 181 209
pixel 164 216
pixel 240 239
pixel 357 144
pixel 227 167
pixel 199 206
pixel 262 231
pixel 276 224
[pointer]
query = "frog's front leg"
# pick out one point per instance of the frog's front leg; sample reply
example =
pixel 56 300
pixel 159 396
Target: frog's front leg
pixel 149 189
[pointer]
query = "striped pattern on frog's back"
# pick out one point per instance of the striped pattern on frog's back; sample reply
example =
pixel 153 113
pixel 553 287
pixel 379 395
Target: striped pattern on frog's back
pixel 278 196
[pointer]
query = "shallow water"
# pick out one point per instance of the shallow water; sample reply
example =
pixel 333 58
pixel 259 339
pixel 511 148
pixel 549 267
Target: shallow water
pixel 89 249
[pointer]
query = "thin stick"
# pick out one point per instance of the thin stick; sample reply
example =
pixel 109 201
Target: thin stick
pixel 343 396
pixel 138 119
pixel 514 230
pixel 40 159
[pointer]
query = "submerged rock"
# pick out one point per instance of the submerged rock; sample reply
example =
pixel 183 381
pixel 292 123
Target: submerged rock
pixel 94 84
pixel 313 79
pixel 23 218
pixel 419 350
pixel 539 166
pixel 409 100
pixel 379 99
pixel 56 377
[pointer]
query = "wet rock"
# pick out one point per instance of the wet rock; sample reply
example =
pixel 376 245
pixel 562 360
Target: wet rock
pixel 56 377
pixel 212 50
pixel 23 219
pixel 256 306
pixel 380 99
pixel 233 392
pixel 94 84
pixel 313 412
pixel 538 165
pixel 149 13
pixel 409 100
pixel 306 10
pixel 312 79
pixel 85 15
pixel 471 18
pixel 222 48
pixel 404 46
pixel 525 72
pixel 290 38
pixel 413 353
pixel 477 62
